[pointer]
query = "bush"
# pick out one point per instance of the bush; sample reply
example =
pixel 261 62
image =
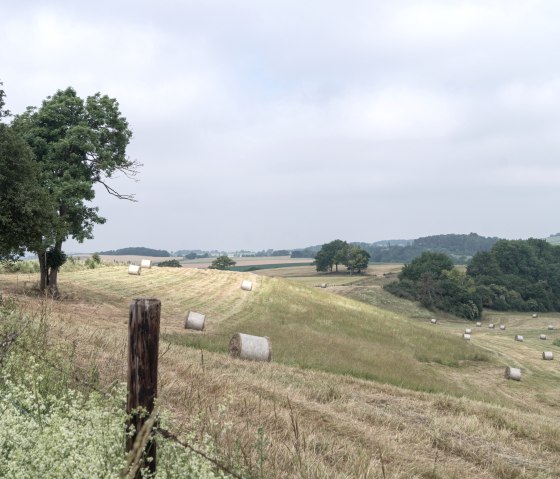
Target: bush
pixel 172 263
pixel 20 266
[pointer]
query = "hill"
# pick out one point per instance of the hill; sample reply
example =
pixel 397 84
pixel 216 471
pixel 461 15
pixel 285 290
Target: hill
pixel 137 251
pixel 459 247
pixel 358 385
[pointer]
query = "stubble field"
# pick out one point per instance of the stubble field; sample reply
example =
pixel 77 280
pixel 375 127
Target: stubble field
pixel 361 384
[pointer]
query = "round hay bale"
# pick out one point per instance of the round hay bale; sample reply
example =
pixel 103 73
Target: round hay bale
pixel 134 269
pixel 502 327
pixel 513 373
pixel 323 285
pixel 535 315
pixel 246 285
pixel 550 327
pixel 519 338
pixel 542 336
pixel 491 325
pixel 433 320
pixel 479 324
pixel 195 321
pixel 468 331
pixel 547 355
pixel 467 336
pixel 246 346
pixel 146 263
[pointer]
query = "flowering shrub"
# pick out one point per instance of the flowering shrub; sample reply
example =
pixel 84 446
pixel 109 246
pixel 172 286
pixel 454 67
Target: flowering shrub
pixel 48 430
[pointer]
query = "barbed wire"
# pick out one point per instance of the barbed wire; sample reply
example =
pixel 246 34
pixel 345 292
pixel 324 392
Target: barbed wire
pixel 163 432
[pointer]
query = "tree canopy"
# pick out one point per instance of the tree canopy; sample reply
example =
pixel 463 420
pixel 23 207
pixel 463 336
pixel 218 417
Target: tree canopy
pixel 222 262
pixel 25 213
pixel 340 252
pixel 432 280
pixel 521 275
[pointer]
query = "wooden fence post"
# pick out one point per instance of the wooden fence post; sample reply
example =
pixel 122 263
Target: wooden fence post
pixel 143 340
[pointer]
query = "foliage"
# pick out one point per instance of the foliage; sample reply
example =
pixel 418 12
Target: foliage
pixel 172 263
pixel 94 261
pixel 24 205
pixel 432 280
pixel 356 260
pixel 3 112
pixel 522 275
pixel 427 263
pixel 222 262
pixel 331 254
pixel 137 251
pixel 19 266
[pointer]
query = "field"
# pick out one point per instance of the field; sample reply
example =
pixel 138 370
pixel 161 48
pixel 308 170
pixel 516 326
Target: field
pixel 361 384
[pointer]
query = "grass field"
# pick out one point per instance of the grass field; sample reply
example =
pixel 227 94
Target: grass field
pixel 361 384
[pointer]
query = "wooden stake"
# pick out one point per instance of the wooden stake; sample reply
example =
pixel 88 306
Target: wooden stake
pixel 143 340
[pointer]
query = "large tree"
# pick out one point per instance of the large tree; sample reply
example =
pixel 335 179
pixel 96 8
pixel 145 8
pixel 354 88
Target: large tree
pixel 222 262
pixel 77 144
pixel 331 254
pixel 356 260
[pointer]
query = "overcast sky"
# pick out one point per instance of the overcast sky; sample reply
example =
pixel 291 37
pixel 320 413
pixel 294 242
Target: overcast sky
pixel 282 124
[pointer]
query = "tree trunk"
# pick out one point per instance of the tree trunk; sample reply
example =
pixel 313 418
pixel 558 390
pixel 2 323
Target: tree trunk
pixel 53 282
pixel 53 275
pixel 44 281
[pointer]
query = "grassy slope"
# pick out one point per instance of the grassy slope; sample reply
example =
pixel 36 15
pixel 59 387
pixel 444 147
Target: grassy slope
pixel 309 327
pixel 343 422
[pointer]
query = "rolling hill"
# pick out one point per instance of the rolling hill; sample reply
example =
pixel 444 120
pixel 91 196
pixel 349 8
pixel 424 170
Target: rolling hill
pixel 361 384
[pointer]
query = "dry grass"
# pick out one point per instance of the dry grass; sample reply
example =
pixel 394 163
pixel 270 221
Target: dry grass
pixel 318 424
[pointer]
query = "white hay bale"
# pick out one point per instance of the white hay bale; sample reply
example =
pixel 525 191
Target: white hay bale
pixel 468 331
pixel 195 321
pixel 502 327
pixel 323 285
pixel 134 269
pixel 519 338
pixel 479 324
pixel 542 336
pixel 547 355
pixel 513 373
pixel 535 315
pixel 247 285
pixel 550 327
pixel 246 346
pixel 467 336
pixel 491 325
pixel 433 320
pixel 146 263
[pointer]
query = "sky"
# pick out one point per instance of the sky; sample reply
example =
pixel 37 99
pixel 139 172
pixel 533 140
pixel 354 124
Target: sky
pixel 283 124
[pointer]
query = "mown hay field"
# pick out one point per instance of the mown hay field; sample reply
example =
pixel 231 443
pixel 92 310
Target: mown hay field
pixel 354 389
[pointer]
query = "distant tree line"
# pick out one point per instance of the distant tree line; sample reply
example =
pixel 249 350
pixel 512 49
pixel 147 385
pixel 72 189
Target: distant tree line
pixel 137 251
pixel 459 247
pixel 520 275
pixel 170 263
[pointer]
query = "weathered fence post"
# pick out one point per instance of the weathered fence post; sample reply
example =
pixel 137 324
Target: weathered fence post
pixel 143 340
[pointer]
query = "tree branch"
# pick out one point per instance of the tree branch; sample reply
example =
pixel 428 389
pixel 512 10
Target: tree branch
pixel 115 193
